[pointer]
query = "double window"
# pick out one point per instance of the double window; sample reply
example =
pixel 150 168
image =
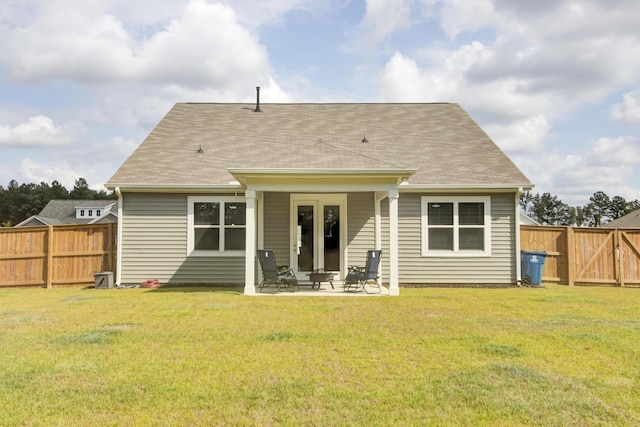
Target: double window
pixel 217 226
pixel 456 226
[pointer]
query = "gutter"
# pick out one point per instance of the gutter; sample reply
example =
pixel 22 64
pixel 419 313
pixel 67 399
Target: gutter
pixel 466 188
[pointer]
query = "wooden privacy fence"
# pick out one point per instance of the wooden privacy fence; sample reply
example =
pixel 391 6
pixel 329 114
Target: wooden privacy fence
pixel 586 256
pixel 62 255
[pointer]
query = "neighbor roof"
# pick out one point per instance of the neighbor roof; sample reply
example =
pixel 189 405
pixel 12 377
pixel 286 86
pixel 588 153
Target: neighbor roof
pixel 60 212
pixel 440 141
pixel 630 220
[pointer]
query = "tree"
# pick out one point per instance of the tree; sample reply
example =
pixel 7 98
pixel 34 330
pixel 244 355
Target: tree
pixel 618 207
pixel 81 190
pixel 633 206
pixel 549 210
pixel 526 202
pixel 600 207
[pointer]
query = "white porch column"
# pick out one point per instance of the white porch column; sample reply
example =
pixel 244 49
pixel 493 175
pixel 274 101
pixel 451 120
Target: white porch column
pixel 250 244
pixel 393 242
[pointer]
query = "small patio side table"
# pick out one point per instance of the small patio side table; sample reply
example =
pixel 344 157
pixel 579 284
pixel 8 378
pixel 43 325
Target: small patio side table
pixel 318 276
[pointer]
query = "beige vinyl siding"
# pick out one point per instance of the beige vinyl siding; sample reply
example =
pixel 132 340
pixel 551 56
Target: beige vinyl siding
pixel 277 225
pixel 361 227
pixel 154 244
pixel 499 268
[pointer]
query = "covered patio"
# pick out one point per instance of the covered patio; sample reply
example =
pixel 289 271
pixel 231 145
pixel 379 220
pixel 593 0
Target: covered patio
pixel 381 183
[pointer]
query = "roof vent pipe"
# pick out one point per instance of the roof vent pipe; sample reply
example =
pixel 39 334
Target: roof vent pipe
pixel 258 110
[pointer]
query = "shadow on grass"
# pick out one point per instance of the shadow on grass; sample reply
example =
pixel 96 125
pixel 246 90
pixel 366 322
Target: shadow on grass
pixel 225 289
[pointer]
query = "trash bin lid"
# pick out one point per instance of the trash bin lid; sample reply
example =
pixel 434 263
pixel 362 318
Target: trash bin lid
pixel 539 253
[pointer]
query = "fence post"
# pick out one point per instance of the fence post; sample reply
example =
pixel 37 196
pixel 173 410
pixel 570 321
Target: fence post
pixel 571 256
pixel 110 264
pixel 49 270
pixel 618 260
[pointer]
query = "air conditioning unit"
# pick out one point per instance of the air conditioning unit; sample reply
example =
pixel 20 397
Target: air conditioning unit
pixel 104 280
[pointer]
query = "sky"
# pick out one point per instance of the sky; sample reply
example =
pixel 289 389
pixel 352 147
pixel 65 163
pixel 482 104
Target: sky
pixel 555 83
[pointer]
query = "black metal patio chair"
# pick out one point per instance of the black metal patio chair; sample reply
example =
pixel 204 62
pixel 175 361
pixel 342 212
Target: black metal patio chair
pixel 359 277
pixel 284 279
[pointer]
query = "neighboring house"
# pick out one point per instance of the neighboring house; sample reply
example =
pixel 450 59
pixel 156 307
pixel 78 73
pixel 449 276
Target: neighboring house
pixel 630 220
pixel 527 220
pixel 63 212
pixel 320 184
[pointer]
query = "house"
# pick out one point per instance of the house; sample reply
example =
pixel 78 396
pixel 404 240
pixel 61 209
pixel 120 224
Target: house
pixel 630 220
pixel 320 184
pixel 527 220
pixel 64 212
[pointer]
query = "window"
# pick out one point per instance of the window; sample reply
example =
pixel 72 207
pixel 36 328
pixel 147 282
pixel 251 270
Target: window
pixel 456 226
pixel 98 211
pixel 81 212
pixel 217 226
pixel 90 213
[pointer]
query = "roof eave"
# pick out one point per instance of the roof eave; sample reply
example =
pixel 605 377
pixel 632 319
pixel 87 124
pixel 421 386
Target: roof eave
pixel 173 187
pixel 243 175
pixel 405 187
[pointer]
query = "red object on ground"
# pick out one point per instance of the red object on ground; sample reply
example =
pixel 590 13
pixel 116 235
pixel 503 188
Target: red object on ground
pixel 150 283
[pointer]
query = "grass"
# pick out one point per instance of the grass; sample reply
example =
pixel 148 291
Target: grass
pixel 200 356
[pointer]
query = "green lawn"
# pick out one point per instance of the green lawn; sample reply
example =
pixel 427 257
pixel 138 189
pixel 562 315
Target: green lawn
pixel 544 356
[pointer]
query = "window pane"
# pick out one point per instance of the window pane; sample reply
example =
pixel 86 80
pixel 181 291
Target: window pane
pixel 206 213
pixel 207 239
pixel 235 213
pixel 440 213
pixel 471 239
pixel 471 213
pixel 234 239
pixel 441 239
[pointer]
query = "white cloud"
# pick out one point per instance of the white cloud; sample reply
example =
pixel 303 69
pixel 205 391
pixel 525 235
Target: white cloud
pixel 255 13
pixel 383 17
pixel 69 43
pixel 526 135
pixel 206 47
pixel 96 162
pixel 614 152
pixel 458 16
pixel 34 171
pixel 607 165
pixel 39 131
pixel 137 66
pixel 203 48
pixel 535 64
pixel 628 111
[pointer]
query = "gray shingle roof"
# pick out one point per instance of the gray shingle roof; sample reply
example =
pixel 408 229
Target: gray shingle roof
pixel 440 141
pixel 630 220
pixel 58 212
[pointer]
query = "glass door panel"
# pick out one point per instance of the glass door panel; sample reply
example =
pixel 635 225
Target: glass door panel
pixel 331 237
pixel 305 237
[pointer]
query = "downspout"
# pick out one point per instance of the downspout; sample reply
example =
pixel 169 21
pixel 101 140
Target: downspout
pixel 517 245
pixel 119 239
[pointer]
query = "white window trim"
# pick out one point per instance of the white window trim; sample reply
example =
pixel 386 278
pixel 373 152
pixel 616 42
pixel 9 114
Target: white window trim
pixel 424 200
pixel 190 226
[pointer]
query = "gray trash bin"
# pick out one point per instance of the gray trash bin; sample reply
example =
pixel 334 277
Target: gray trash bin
pixel 104 280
